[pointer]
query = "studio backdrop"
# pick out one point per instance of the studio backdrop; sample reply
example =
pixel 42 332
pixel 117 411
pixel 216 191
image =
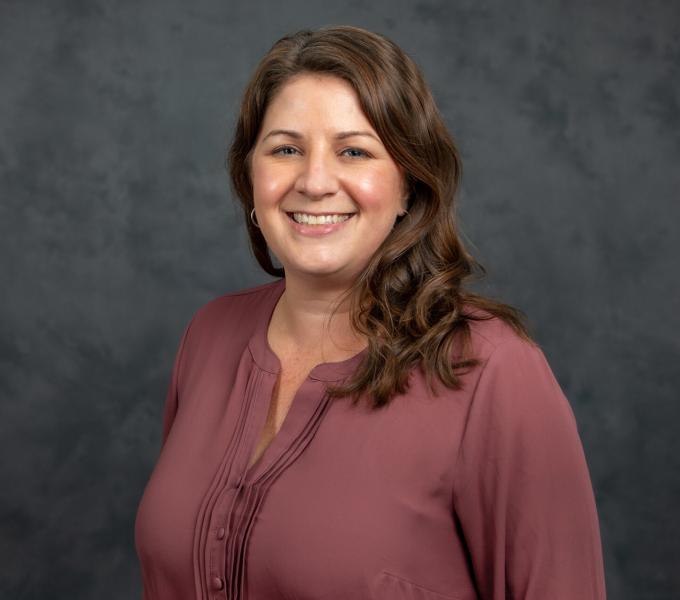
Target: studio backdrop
pixel 117 223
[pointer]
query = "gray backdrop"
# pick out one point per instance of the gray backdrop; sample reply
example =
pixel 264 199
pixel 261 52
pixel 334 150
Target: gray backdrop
pixel 116 224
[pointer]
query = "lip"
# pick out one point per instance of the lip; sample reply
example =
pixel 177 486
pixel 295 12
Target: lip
pixel 319 214
pixel 317 230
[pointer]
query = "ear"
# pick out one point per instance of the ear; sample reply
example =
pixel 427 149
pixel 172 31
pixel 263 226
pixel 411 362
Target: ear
pixel 406 194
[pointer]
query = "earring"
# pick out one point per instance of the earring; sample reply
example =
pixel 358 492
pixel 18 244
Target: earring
pixel 407 200
pixel 253 218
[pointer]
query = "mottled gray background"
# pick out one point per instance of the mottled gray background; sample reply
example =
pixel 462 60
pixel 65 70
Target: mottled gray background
pixel 116 224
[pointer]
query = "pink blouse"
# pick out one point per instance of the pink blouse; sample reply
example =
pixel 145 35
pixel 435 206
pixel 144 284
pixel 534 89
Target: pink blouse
pixel 480 493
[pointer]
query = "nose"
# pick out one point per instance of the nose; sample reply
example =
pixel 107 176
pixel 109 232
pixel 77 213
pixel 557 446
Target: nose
pixel 317 177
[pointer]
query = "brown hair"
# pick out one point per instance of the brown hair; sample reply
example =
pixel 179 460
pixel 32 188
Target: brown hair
pixel 409 301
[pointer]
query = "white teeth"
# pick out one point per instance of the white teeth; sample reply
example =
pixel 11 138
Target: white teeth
pixel 320 219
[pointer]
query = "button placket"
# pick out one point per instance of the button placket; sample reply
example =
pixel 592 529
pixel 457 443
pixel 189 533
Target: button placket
pixel 225 520
pixel 209 551
pixel 251 496
pixel 237 518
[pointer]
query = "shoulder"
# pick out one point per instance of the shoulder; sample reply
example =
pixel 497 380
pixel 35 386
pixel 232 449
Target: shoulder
pixel 490 335
pixel 226 304
pixel 514 381
pixel 510 365
pixel 233 313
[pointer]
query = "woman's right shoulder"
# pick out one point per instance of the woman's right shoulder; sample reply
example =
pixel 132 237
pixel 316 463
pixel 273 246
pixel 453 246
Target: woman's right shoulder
pixel 234 311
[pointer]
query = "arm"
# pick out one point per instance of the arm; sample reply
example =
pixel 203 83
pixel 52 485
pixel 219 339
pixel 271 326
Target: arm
pixel 522 491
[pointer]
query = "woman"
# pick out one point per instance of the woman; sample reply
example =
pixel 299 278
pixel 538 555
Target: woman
pixel 364 426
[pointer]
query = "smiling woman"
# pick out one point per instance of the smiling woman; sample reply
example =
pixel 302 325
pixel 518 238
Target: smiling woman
pixel 364 426
pixel 318 157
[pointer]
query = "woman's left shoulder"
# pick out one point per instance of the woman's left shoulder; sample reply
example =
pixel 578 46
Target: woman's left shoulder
pixel 514 375
pixel 489 332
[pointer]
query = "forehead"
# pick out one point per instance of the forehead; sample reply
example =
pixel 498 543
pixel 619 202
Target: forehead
pixel 316 99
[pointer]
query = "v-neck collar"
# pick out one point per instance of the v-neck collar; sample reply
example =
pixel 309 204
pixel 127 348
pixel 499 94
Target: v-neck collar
pixel 265 357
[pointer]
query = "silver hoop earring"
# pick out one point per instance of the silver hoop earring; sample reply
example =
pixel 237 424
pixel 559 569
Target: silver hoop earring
pixel 253 219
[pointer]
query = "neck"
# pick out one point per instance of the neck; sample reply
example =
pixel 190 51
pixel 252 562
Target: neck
pixel 309 320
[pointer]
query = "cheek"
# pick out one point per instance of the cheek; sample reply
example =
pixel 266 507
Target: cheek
pixel 268 183
pixel 377 190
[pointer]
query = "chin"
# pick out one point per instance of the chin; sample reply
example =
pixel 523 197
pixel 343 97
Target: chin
pixel 322 271
pixel 317 270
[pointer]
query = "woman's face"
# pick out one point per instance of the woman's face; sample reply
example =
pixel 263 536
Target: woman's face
pixel 326 191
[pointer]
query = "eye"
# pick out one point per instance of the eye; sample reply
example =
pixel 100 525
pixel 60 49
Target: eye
pixel 356 153
pixel 284 151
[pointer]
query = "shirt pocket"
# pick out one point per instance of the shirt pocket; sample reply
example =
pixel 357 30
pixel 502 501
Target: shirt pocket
pixel 389 586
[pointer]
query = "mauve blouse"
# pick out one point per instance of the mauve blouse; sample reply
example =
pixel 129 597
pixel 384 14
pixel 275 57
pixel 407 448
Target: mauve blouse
pixel 480 493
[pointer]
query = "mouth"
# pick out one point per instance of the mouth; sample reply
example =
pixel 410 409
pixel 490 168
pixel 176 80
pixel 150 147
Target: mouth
pixel 303 218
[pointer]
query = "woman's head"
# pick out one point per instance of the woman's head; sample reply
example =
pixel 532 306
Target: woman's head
pixel 395 103
pixel 326 191
pixel 408 296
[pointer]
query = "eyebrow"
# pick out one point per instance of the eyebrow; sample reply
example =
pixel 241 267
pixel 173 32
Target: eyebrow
pixel 339 136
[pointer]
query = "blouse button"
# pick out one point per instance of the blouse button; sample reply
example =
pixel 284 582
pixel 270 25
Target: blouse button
pixel 217 583
pixel 220 533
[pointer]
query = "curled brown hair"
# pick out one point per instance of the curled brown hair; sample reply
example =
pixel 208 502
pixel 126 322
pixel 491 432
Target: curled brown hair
pixel 409 301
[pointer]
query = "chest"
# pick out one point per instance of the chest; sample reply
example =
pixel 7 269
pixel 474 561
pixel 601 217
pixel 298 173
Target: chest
pixel 289 381
pixel 339 493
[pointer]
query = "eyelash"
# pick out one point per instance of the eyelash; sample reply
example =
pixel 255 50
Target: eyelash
pixel 278 150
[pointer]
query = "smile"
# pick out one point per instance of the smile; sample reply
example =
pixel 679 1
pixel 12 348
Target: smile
pixel 326 219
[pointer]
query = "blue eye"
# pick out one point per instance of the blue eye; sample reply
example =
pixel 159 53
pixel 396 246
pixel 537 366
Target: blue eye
pixel 291 151
pixel 356 153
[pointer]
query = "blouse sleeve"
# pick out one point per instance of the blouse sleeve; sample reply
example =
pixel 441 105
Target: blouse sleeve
pixel 172 394
pixel 522 491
